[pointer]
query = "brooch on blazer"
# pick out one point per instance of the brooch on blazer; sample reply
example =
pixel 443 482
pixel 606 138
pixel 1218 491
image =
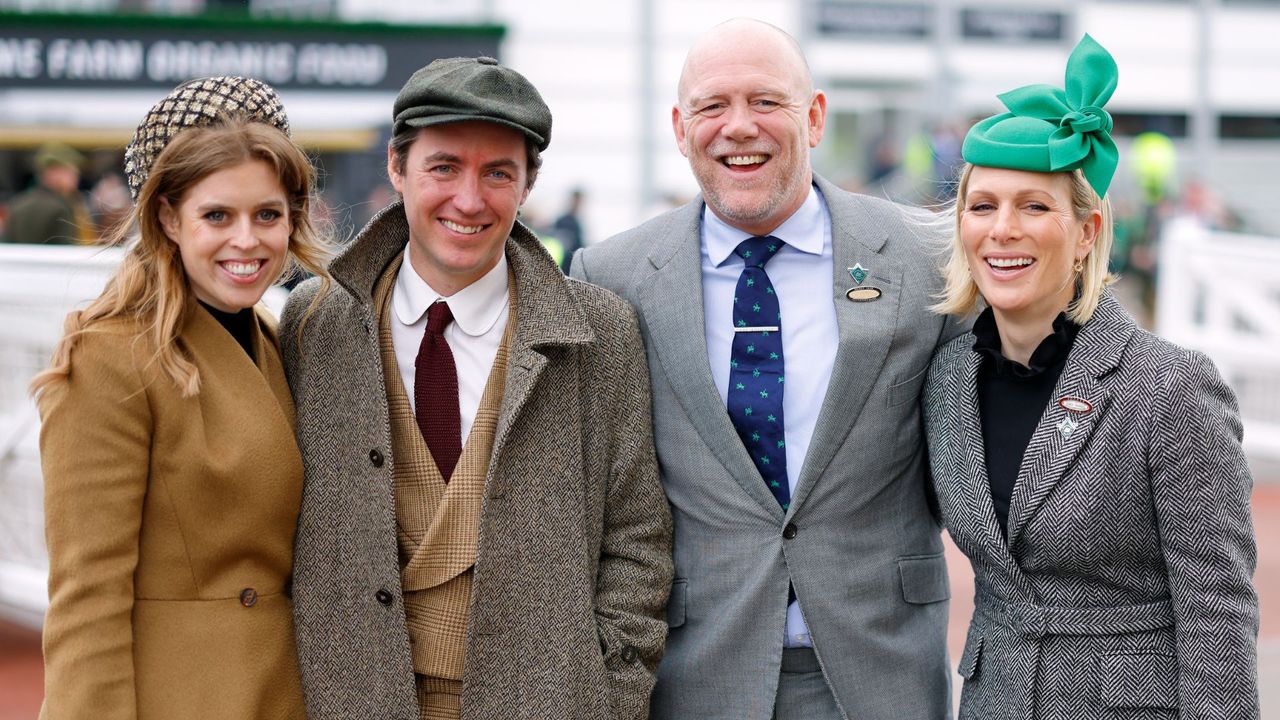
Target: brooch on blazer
pixel 861 294
pixel 1074 406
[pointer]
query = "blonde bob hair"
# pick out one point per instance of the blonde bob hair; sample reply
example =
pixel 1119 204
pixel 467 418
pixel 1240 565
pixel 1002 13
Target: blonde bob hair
pixel 960 293
pixel 150 285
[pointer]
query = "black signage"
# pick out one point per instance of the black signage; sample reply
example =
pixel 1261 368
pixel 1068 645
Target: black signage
pixel 1013 25
pixel 309 56
pixel 874 20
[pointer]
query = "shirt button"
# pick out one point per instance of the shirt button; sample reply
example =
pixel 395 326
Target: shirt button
pixel 789 531
pixel 375 457
pixel 248 597
pixel 384 597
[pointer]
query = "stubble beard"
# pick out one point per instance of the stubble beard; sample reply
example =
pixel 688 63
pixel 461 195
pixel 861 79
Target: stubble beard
pixel 724 195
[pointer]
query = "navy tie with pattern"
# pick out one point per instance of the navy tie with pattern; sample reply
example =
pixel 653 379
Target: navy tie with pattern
pixel 756 372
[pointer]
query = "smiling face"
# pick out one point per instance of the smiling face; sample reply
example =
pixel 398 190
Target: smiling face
pixel 1022 238
pixel 746 120
pixel 462 185
pixel 232 232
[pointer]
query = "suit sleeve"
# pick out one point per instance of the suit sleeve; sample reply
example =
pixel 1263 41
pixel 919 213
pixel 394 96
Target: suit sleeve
pixel 578 267
pixel 95 446
pixel 1201 485
pixel 635 572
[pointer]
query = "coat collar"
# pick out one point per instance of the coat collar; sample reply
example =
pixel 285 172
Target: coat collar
pixel 548 315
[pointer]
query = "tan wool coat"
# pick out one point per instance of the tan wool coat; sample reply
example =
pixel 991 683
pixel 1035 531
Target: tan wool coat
pixel 170 526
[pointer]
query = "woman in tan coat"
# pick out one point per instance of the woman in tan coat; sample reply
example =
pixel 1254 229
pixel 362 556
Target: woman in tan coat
pixel 172 479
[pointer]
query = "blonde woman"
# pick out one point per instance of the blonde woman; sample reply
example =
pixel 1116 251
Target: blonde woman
pixel 1092 472
pixel 172 478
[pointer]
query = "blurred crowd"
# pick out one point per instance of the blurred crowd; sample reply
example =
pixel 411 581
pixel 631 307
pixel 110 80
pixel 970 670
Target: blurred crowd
pixel 74 198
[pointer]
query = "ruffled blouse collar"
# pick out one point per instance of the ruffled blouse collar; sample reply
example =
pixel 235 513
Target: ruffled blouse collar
pixel 1051 351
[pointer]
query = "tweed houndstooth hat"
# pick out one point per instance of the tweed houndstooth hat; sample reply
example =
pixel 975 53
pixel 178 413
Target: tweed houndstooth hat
pixel 197 103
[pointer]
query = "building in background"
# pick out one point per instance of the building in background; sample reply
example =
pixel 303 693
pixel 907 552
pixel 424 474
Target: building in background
pixel 904 78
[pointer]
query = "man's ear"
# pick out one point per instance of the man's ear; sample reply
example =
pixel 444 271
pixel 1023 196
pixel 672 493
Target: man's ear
pixel 393 170
pixel 678 126
pixel 169 220
pixel 817 117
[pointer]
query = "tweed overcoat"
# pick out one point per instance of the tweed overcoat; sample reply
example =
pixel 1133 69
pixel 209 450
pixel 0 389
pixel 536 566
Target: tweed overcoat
pixel 1123 588
pixel 859 543
pixel 170 526
pixel 574 546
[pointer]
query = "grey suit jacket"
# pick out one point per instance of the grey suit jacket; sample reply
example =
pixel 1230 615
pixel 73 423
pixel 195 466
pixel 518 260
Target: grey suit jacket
pixel 859 542
pixel 1123 587
pixel 573 558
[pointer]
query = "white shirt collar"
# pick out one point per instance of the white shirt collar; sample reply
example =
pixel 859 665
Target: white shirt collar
pixel 802 231
pixel 475 307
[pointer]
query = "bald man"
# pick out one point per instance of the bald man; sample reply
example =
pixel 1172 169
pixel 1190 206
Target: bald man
pixel 788 333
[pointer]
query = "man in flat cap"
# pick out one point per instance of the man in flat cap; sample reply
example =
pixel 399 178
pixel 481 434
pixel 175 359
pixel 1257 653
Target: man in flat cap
pixel 789 331
pixel 482 532
pixel 52 211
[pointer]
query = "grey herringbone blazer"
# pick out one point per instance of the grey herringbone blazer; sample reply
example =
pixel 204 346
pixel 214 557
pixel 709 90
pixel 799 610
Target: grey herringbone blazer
pixel 1123 589
pixel 573 556
pixel 859 543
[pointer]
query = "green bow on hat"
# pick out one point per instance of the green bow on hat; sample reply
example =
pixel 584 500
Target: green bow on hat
pixel 1052 130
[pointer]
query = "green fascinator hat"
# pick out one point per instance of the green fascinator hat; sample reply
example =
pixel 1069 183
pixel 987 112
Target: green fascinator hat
pixel 1052 130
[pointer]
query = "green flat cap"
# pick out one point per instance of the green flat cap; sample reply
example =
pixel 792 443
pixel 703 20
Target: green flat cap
pixel 460 89
pixel 1053 130
pixel 56 153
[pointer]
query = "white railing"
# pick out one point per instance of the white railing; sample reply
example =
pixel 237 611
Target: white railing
pixel 1219 293
pixel 39 285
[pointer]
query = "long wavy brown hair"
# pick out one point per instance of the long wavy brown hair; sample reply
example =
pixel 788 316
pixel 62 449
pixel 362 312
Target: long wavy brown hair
pixel 150 285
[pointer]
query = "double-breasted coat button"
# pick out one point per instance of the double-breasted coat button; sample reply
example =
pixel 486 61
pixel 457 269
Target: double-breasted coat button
pixel 383 597
pixel 628 653
pixel 248 597
pixel 375 457
pixel 790 531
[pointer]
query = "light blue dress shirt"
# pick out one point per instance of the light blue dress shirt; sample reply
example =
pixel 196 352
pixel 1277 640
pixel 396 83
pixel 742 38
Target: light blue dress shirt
pixel 801 275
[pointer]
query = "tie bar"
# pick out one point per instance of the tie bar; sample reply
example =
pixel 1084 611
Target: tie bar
pixel 757 328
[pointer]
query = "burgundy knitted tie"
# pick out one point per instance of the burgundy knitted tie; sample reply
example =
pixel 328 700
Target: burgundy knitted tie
pixel 435 392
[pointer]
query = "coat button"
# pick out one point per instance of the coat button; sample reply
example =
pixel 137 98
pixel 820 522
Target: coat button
pixel 628 653
pixel 375 457
pixel 790 531
pixel 384 597
pixel 248 597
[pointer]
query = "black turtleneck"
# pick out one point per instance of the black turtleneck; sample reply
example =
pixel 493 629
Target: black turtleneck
pixel 1012 398
pixel 239 324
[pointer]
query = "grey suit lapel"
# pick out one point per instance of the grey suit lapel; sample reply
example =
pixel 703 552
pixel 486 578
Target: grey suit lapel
pixel 1061 434
pixel 671 302
pixel 866 330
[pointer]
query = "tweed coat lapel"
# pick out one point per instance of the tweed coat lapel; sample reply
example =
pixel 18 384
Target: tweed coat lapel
pixel 671 303
pixel 973 487
pixel 866 330
pixel 547 317
pixel 1061 434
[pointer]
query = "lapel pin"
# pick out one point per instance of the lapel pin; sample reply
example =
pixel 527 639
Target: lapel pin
pixel 863 294
pixel 858 273
pixel 1075 405
pixel 1067 426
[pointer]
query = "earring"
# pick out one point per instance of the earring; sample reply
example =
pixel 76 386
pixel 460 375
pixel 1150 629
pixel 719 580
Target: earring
pixel 1079 268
